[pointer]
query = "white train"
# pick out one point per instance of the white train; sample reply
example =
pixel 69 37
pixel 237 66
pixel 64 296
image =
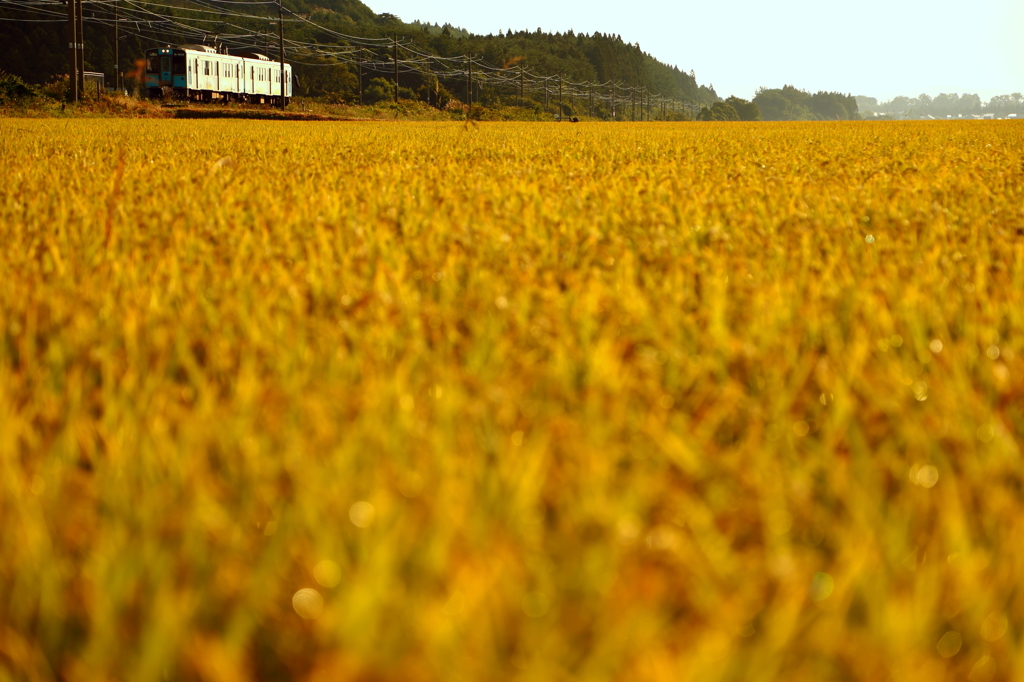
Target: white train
pixel 200 73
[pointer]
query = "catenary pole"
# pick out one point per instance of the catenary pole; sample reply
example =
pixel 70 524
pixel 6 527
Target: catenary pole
pixel 80 30
pixel 280 48
pixel 396 67
pixel 117 50
pixel 72 52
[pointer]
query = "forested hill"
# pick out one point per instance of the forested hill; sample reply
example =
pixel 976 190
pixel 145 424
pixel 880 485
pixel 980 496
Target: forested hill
pixel 36 50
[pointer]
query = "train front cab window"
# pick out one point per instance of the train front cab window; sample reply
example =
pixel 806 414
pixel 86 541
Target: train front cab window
pixel 152 64
pixel 178 62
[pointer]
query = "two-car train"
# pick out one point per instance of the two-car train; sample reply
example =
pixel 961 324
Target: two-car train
pixel 201 73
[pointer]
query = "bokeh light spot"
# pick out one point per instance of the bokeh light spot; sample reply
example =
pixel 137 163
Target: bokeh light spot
pixel 925 476
pixel 327 573
pixel 362 514
pixel 308 603
pixel 983 671
pixel 994 627
pixel 949 644
pixel 821 586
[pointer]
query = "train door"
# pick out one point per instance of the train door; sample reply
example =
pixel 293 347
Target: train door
pixel 216 75
pixel 165 69
pixel 238 77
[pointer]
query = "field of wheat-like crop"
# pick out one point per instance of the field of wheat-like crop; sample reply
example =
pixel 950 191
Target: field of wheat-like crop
pixel 430 402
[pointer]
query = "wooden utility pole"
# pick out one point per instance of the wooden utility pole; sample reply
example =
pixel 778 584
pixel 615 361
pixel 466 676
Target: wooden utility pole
pixel 591 100
pixel 469 83
pixel 280 48
pixel 545 95
pixel 72 52
pixel 360 77
pixel 396 67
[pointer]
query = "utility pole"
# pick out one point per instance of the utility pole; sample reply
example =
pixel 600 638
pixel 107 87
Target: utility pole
pixel 591 100
pixel 396 68
pixel 117 51
pixel 72 52
pixel 522 97
pixel 613 100
pixel 280 47
pixel 469 83
pixel 360 77
pixel 545 95
pixel 559 97
pixel 81 49
pixel 632 92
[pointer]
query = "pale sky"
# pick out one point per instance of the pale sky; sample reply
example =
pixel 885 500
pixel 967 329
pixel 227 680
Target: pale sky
pixel 878 48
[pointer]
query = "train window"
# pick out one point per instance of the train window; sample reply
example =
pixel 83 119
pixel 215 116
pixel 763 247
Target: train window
pixel 206 68
pixel 178 64
pixel 152 64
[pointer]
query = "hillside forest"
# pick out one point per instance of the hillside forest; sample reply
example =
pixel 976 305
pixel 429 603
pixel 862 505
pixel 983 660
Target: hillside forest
pixel 36 51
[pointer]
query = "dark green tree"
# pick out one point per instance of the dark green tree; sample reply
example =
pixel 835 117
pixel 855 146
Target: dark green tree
pixel 719 111
pixel 747 111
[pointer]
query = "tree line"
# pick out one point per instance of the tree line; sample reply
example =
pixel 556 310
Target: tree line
pixel 943 105
pixel 37 52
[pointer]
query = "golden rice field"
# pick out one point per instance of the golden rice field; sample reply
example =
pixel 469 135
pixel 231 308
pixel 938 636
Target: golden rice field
pixel 422 401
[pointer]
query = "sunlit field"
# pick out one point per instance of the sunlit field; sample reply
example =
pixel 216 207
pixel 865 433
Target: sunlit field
pixel 434 401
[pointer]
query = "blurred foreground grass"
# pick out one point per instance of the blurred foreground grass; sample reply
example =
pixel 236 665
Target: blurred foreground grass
pixel 511 401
